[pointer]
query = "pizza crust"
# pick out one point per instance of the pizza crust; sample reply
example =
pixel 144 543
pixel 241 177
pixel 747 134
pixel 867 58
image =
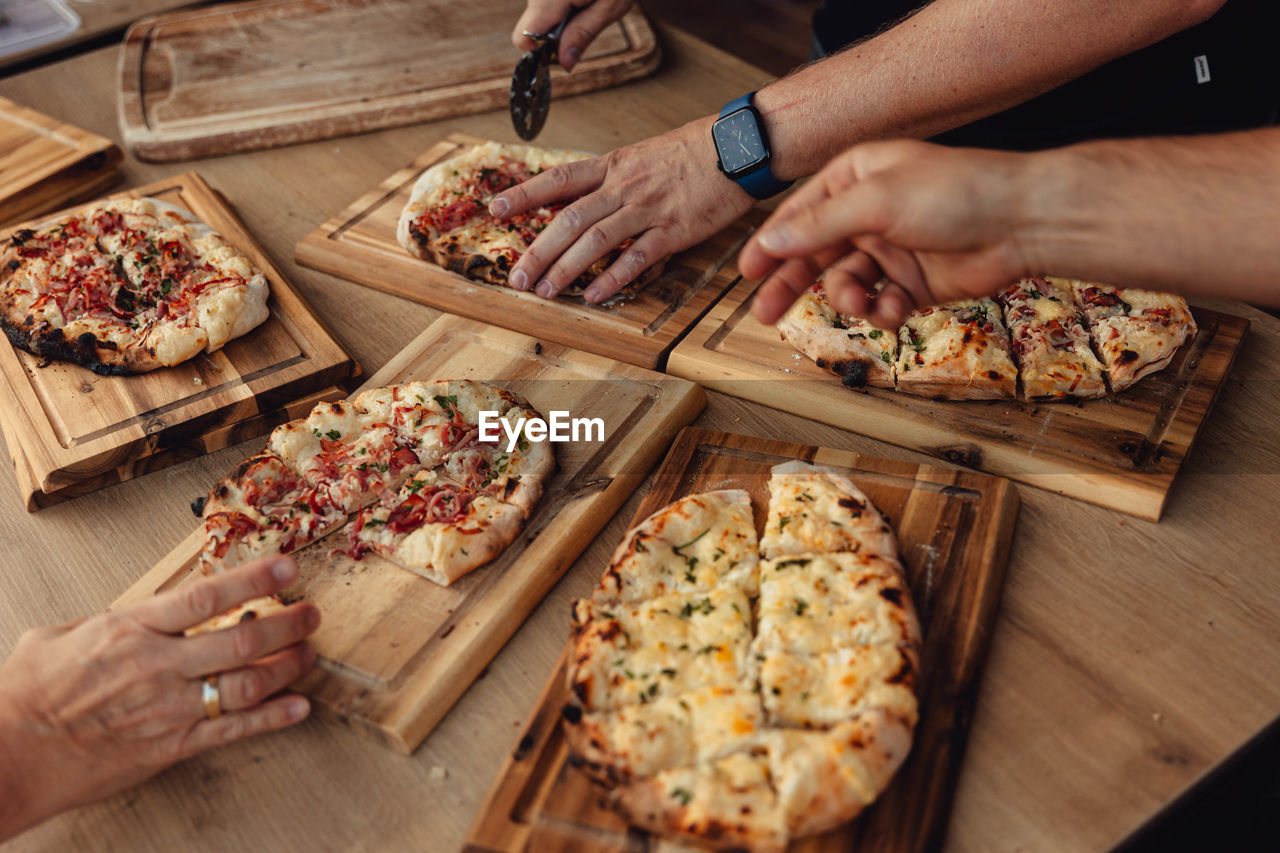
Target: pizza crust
pixel 851 348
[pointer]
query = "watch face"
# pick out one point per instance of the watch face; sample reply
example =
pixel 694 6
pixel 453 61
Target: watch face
pixel 737 138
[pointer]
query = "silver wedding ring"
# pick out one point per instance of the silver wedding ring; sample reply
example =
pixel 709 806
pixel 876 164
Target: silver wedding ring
pixel 212 700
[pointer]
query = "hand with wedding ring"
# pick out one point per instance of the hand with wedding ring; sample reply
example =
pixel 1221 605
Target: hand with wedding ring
pixel 98 705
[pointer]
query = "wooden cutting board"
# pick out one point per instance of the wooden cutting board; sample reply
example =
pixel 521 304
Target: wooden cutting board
pixel 242 76
pixel 360 244
pixel 955 529
pixel 67 425
pixel 396 650
pixel 1121 452
pixel 45 163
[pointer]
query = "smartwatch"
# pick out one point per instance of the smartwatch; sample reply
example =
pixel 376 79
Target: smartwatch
pixel 743 148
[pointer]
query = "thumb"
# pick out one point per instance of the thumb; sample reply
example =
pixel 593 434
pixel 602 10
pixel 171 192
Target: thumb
pixel 583 28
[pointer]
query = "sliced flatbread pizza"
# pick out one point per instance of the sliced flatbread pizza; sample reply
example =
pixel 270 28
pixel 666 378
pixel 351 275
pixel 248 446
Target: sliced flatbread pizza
pixel 1136 332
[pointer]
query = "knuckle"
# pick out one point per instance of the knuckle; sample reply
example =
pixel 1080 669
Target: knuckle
pixel 247 642
pixel 201 600
pixel 572 216
pixel 597 239
pixel 252 687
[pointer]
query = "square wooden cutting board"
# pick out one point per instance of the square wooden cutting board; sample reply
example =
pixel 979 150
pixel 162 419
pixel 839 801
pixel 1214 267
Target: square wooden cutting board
pixel 396 650
pixel 360 245
pixel 1121 452
pixel 46 163
pixel 66 426
pixel 954 529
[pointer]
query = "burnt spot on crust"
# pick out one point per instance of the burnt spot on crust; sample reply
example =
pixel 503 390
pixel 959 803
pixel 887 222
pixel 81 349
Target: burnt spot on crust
pixel 502 263
pixel 854 505
pixel 243 468
pixel 613 629
pixel 49 343
pixel 20 237
pixel 197 506
pixel 419 236
pixel 904 673
pixel 571 713
pixel 853 373
pixel 893 595
pixel 248 616
pixel 476 264
pixel 993 374
pixel 14 264
pixel 582 690
pixel 1126 357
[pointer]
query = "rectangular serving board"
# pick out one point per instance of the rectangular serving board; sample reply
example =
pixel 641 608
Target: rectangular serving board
pixel 1121 452
pixel 46 163
pixel 396 650
pixel 241 76
pixel 68 426
pixel 955 528
pixel 360 245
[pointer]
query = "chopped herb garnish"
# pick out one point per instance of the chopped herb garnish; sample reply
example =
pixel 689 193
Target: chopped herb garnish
pixel 874 333
pixel 333 435
pixel 801 606
pixel 683 796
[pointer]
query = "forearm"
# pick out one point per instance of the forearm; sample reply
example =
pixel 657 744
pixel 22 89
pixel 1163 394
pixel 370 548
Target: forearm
pixel 953 62
pixel 1196 215
pixel 17 809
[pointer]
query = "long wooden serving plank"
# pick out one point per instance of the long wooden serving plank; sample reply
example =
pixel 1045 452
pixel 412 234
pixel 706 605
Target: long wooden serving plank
pixel 360 244
pixel 252 75
pixel 955 529
pixel 46 163
pixel 396 650
pixel 67 425
pixel 1121 452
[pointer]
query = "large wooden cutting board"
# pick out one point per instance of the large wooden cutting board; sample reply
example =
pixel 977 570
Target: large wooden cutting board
pixel 45 163
pixel 955 529
pixel 396 650
pixel 67 425
pixel 252 75
pixel 360 244
pixel 1121 452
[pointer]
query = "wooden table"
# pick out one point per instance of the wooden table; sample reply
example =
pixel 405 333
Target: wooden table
pixel 1128 659
pixel 98 18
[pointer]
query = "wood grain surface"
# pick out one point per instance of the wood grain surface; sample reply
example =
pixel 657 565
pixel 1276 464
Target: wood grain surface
pixel 1127 658
pixel 1121 452
pixel 360 244
pixel 954 529
pixel 46 163
pixel 396 650
pixel 276 72
pixel 68 425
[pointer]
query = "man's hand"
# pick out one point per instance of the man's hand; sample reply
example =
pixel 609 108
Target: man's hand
pixel 665 192
pixel 542 16
pixel 938 223
pixel 95 706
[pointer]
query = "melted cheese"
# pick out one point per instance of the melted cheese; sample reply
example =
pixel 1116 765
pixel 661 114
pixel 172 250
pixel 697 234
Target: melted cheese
pixel 824 689
pixel 815 510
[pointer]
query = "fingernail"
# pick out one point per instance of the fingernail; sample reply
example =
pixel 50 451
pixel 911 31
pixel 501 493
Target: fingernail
pixel 498 206
pixel 313 618
pixel 298 708
pixel 776 238
pixel 544 289
pixel 593 294
pixel 571 57
pixel 284 570
pixel 519 280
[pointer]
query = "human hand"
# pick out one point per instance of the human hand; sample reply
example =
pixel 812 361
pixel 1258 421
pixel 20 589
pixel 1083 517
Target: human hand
pixel 543 16
pixel 938 223
pixel 666 192
pixel 98 705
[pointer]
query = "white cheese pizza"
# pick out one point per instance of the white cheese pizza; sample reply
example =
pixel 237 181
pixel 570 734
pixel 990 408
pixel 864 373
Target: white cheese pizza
pixel 1135 332
pixel 741 692
pixel 127 287
pixel 447 221
pixel 1050 341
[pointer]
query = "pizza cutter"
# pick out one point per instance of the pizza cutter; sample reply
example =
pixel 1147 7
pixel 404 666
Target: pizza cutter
pixel 531 82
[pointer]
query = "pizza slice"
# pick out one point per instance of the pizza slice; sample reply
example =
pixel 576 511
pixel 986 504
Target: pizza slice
pixel 850 347
pixel 1136 332
pixel 435 528
pixel 693 545
pixel 447 219
pixel 254 608
pixel 1050 341
pixel 813 691
pixel 956 351
pixel 263 507
pixel 815 510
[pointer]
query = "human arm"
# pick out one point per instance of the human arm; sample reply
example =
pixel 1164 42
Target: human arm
pixel 95 706
pixel 1194 215
pixel 953 62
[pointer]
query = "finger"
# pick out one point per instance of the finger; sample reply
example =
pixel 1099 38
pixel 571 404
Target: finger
pixel 558 237
pixel 585 26
pixel 238 725
pixel 594 242
pixel 219 651
pixel 559 183
pixel 901 267
pixel 862 209
pixel 172 612
pixel 889 308
pixel 245 687
pixel 647 250
pixel 783 287
pixel 849 280
pixel 539 16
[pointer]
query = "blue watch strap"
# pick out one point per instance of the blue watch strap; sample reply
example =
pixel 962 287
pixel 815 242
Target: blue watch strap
pixel 761 183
